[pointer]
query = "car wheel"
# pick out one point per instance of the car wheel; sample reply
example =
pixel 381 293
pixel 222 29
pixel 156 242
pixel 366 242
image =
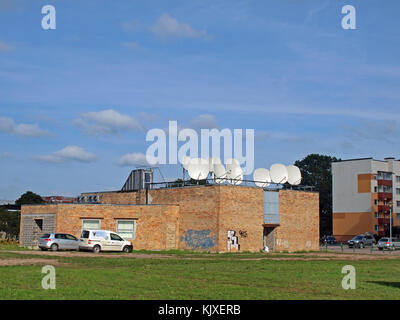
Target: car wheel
pixel 54 247
pixel 127 249
pixel 96 249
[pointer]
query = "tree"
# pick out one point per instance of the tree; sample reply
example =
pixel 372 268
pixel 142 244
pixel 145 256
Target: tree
pixel 29 198
pixel 316 171
pixel 9 222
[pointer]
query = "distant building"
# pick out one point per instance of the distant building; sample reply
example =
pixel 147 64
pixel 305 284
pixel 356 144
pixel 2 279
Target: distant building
pixel 362 191
pixel 58 199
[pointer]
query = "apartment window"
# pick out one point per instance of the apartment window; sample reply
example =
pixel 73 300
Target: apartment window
pixel 126 228
pixel 376 189
pixel 376 228
pixel 397 190
pixel 398 179
pixel 397 203
pixel 91 224
pixel 376 215
pixel 398 216
pixel 376 202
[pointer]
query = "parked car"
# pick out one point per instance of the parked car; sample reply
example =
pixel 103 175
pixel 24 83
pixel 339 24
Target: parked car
pixel 386 244
pixel 361 241
pixel 330 240
pixel 103 240
pixel 58 241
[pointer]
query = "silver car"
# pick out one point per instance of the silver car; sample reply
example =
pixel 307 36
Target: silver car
pixel 385 243
pixel 58 241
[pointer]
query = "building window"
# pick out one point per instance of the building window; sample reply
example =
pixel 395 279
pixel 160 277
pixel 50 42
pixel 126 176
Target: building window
pixel 398 216
pixel 398 203
pixel 91 224
pixel 398 179
pixel 376 215
pixel 126 229
pixel 376 202
pixel 376 228
pixel 397 190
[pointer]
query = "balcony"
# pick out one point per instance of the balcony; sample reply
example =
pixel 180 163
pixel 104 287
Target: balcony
pixel 385 196
pixel 383 221
pixel 387 183
pixel 383 208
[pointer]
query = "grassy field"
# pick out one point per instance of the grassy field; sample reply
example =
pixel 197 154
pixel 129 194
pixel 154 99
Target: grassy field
pixel 197 276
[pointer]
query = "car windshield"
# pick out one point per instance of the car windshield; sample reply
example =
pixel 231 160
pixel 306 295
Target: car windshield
pixel 357 238
pixel 384 239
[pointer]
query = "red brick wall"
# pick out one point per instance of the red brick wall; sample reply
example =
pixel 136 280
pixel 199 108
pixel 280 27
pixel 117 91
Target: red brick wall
pixel 299 221
pixel 208 212
pixel 153 229
pixel 241 210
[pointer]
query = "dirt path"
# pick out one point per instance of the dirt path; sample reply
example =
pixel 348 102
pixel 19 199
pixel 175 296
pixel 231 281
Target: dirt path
pixel 17 262
pixel 270 256
pixel 94 255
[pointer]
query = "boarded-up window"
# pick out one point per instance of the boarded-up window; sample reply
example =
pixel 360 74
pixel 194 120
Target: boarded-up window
pixel 271 207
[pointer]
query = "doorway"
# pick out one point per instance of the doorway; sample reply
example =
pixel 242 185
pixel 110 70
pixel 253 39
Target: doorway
pixel 269 240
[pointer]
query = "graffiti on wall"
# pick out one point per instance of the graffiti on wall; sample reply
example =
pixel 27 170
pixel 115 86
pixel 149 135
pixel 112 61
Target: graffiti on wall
pixel 243 233
pixel 233 242
pixel 199 239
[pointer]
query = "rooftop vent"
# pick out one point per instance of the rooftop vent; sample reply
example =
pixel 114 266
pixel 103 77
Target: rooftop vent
pixel 138 179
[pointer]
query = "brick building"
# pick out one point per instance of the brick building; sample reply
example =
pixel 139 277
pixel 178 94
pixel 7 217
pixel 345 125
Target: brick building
pixel 215 218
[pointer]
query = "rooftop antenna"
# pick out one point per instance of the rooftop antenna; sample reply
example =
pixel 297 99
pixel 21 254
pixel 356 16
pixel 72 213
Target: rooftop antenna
pixel 262 178
pixel 279 173
pixel 198 169
pixel 294 175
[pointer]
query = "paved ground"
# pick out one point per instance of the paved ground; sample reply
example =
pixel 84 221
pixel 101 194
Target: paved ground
pixel 366 250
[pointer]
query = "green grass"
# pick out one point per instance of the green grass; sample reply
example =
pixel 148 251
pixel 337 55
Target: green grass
pixel 209 276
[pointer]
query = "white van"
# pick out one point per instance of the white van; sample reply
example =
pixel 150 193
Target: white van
pixel 103 240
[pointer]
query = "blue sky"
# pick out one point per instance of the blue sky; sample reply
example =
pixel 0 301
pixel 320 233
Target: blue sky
pixel 75 100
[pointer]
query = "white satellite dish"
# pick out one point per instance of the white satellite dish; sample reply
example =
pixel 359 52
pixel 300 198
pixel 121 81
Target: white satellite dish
pixel 232 162
pixel 198 169
pixel 234 171
pixel 219 172
pixel 185 162
pixel 262 177
pixel 294 175
pixel 278 173
pixel 212 161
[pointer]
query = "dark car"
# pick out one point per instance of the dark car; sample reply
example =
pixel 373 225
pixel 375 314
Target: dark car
pixel 330 240
pixel 361 241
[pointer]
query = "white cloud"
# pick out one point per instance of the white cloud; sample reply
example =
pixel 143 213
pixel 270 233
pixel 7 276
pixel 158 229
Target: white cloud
pixel 23 129
pixel 4 47
pixel 107 122
pixel 204 121
pixel 69 153
pixel 168 27
pixel 133 159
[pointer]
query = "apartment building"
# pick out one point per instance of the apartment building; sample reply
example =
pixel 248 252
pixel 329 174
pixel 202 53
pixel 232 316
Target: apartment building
pixel 364 193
